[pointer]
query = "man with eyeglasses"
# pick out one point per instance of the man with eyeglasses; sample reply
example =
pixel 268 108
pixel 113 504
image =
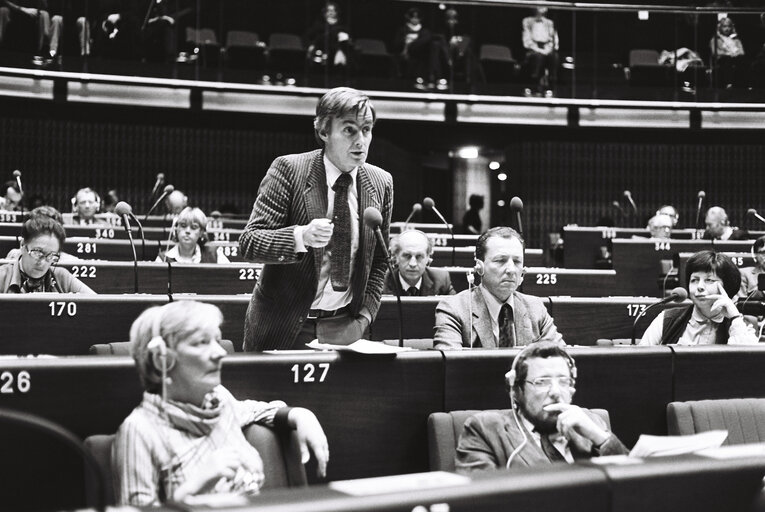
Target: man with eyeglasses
pixel 543 426
pixel 412 252
pixel 34 270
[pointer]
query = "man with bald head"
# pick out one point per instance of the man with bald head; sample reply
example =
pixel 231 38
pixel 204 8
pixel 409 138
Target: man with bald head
pixel 412 251
pixel 719 228
pixel 175 202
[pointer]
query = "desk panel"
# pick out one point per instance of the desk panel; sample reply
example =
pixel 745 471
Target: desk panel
pixel 741 259
pixel 633 383
pixel 582 244
pixel 117 276
pixel 638 262
pixel 67 324
pixel 110 249
pixel 214 279
pixel 542 281
pixel 719 371
pixel 102 231
pixel 419 318
pixel 582 321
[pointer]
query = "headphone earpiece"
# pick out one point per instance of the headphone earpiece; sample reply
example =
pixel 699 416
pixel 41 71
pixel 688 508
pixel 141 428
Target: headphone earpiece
pixel 478 269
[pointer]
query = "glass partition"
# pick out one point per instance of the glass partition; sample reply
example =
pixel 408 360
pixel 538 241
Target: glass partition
pixel 565 51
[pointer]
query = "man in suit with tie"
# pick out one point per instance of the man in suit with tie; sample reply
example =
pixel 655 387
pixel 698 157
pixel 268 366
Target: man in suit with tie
pixel 543 426
pixel 323 271
pixel 494 314
pixel 412 251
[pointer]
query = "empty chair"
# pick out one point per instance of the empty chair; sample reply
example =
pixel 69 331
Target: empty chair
pixel 498 63
pixel 245 50
pixel 279 450
pixel 743 418
pixel 645 68
pixel 204 43
pixel 373 58
pixel 444 429
pixel 286 53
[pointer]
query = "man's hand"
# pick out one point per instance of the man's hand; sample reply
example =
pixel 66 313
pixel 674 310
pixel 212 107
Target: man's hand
pixel 342 329
pixel 317 233
pixel 311 437
pixel 573 421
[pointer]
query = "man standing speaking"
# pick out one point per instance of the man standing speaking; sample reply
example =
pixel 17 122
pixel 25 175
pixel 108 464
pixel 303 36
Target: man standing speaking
pixel 323 271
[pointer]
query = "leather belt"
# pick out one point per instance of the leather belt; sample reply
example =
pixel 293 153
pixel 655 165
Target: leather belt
pixel 320 313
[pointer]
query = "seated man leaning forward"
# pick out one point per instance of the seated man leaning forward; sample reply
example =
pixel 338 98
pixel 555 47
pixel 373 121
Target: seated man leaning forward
pixel 543 426
pixel 494 314
pixel 412 252
pixel 185 437
pixel 712 318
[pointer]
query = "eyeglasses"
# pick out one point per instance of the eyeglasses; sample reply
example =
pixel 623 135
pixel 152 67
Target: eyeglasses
pixel 545 383
pixel 39 255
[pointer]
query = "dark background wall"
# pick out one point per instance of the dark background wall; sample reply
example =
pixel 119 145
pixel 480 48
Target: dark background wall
pixel 564 175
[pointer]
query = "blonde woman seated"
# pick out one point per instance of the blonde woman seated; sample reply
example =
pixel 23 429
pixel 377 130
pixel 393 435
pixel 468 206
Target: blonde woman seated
pixel 713 279
pixel 190 235
pixel 185 437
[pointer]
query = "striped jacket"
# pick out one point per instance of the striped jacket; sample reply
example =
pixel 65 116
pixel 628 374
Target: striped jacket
pixel 293 193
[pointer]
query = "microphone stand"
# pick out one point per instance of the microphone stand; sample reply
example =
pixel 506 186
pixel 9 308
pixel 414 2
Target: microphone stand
pixel 451 232
pixel 665 300
pixel 143 237
pixel 396 287
pixel 126 222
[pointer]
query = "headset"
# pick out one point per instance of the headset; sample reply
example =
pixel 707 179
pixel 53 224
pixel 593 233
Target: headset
pixel 158 347
pixel 86 190
pixel 511 385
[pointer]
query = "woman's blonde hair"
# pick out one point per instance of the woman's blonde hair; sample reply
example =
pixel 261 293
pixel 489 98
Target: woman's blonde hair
pixel 174 322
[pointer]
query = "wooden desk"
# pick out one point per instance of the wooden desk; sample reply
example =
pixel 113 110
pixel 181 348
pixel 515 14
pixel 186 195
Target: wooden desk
pixel 638 262
pixel 96 232
pixel 398 227
pixel 110 249
pixel 67 324
pixel 713 372
pixel 582 244
pixel 542 281
pixel 582 321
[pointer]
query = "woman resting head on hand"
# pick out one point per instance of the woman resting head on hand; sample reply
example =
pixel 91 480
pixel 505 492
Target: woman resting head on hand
pixel 185 437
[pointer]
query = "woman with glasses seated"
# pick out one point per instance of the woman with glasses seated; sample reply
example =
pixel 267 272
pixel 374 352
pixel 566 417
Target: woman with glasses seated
pixel 34 270
pixel 712 318
pixel 186 436
pixel 190 234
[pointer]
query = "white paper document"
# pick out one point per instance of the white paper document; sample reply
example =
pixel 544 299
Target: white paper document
pixel 659 446
pixel 360 347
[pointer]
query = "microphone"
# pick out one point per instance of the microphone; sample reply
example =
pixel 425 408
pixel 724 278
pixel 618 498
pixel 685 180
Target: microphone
pixel 517 205
pixel 679 294
pixel 17 175
pixel 160 181
pixel 416 208
pixel 753 213
pixel 628 195
pixel 373 220
pixel 126 212
pixel 166 192
pixel 701 195
pixel 431 205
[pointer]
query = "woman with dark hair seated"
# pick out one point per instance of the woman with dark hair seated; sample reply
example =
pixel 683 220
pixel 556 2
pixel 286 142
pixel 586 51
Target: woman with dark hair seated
pixel 34 270
pixel 190 234
pixel 185 437
pixel 713 279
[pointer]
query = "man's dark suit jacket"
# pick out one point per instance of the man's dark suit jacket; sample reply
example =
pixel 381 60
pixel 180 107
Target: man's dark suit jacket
pixel 435 281
pixel 293 193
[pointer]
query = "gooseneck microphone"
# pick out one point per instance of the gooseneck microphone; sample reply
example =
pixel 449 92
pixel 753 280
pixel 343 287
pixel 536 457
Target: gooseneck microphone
pixel 701 195
pixel 517 205
pixel 753 213
pixel 126 212
pixel 416 208
pixel 373 220
pixel 158 184
pixel 628 196
pixel 17 175
pixel 679 294
pixel 166 192
pixel 431 205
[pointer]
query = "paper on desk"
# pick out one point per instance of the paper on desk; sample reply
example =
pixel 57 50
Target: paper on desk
pixel 399 483
pixel 658 446
pixel 360 347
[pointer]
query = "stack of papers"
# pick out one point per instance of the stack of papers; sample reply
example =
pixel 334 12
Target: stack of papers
pixel 359 347
pixel 660 446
